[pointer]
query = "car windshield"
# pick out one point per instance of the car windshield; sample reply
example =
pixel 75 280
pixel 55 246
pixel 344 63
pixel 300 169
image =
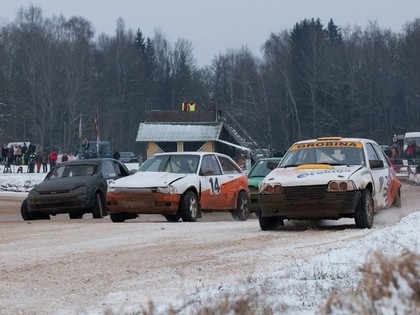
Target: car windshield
pixel 71 171
pixel 323 155
pixel 171 163
pixel 263 167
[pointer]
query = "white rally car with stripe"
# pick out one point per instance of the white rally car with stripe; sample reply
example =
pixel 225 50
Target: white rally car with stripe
pixel 329 178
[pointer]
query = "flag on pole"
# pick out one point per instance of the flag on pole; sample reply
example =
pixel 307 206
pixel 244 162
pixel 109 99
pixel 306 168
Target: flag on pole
pixel 80 127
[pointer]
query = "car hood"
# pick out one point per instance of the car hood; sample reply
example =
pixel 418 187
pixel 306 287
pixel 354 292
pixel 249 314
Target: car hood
pixel 310 174
pixel 66 183
pixel 146 179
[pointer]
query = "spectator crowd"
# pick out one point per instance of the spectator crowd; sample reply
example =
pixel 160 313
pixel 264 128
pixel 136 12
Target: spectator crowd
pixel 34 156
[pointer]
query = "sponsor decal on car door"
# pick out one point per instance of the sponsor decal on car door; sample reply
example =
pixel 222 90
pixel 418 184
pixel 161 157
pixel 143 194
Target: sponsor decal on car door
pixel 213 194
pixel 381 178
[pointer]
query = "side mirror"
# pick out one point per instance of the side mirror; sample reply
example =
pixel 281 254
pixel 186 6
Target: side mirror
pixel 206 172
pixel 376 164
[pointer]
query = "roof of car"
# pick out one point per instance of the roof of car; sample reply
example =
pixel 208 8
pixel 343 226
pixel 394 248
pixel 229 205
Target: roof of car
pixel 338 139
pixel 270 159
pixel 85 161
pixel 199 153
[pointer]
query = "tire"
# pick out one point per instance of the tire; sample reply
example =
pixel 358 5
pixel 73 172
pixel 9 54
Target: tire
pixel 75 215
pixel 364 211
pixel 117 217
pixel 28 216
pixel 189 207
pixel 24 211
pixel 242 211
pixel 314 223
pixel 98 208
pixel 267 223
pixel 172 217
pixel 397 200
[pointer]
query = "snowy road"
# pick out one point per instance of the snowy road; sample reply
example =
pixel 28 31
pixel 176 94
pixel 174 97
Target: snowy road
pixel 65 266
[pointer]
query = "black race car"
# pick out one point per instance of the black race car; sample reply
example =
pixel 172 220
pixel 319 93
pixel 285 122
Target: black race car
pixel 74 187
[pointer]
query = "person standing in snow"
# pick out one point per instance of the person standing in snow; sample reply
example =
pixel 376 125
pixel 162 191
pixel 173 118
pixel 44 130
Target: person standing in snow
pixel 44 162
pixel 116 155
pixel 85 145
pixel 53 158
pixel 38 161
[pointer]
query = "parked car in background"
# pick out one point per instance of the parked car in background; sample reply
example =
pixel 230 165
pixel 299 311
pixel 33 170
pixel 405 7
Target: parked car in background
pixel 75 187
pixel 329 178
pixel 263 153
pixel 257 173
pixel 128 157
pixel 181 185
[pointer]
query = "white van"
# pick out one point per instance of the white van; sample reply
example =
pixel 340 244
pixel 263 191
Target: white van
pixel 409 137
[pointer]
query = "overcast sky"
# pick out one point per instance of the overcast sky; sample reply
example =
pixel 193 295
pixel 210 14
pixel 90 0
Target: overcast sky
pixel 214 26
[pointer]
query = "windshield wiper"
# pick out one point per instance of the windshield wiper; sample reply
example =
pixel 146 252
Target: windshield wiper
pixel 290 165
pixel 334 164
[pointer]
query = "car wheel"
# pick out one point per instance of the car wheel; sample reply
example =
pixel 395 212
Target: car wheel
pixel 397 200
pixel 189 207
pixel 27 216
pixel 75 215
pixel 24 211
pixel 267 223
pixel 242 211
pixel 117 217
pixel 121 217
pixel 364 211
pixel 172 217
pixel 314 223
pixel 97 212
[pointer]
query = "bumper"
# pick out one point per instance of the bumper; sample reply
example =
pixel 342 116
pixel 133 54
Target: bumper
pixel 253 197
pixel 142 203
pixel 326 205
pixel 55 204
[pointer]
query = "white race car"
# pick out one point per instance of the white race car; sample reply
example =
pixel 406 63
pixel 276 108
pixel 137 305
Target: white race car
pixel 329 178
pixel 181 185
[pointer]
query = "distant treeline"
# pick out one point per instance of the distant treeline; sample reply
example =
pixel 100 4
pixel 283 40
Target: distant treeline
pixel 313 80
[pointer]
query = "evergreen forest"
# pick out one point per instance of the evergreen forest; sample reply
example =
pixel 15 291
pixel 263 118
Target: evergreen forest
pixel 311 80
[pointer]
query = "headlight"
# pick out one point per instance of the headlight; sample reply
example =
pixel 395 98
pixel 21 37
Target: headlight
pixel 167 190
pixel 269 189
pixel 81 190
pixel 341 185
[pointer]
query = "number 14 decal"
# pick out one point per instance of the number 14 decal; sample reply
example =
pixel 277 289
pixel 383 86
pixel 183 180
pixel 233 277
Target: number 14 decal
pixel 215 188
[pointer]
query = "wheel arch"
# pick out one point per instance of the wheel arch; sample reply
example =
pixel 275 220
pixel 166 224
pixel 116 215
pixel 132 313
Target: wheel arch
pixel 237 194
pixel 195 191
pixel 369 186
pixel 102 194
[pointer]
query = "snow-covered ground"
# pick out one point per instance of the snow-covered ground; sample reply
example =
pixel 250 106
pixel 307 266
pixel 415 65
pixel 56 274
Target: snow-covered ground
pixel 303 286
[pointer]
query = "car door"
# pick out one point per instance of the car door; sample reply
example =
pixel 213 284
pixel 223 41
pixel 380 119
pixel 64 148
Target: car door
pixel 109 171
pixel 211 179
pixel 231 180
pixel 380 176
pixel 391 183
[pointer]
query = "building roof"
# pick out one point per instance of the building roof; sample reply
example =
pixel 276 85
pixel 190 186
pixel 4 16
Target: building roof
pixel 178 132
